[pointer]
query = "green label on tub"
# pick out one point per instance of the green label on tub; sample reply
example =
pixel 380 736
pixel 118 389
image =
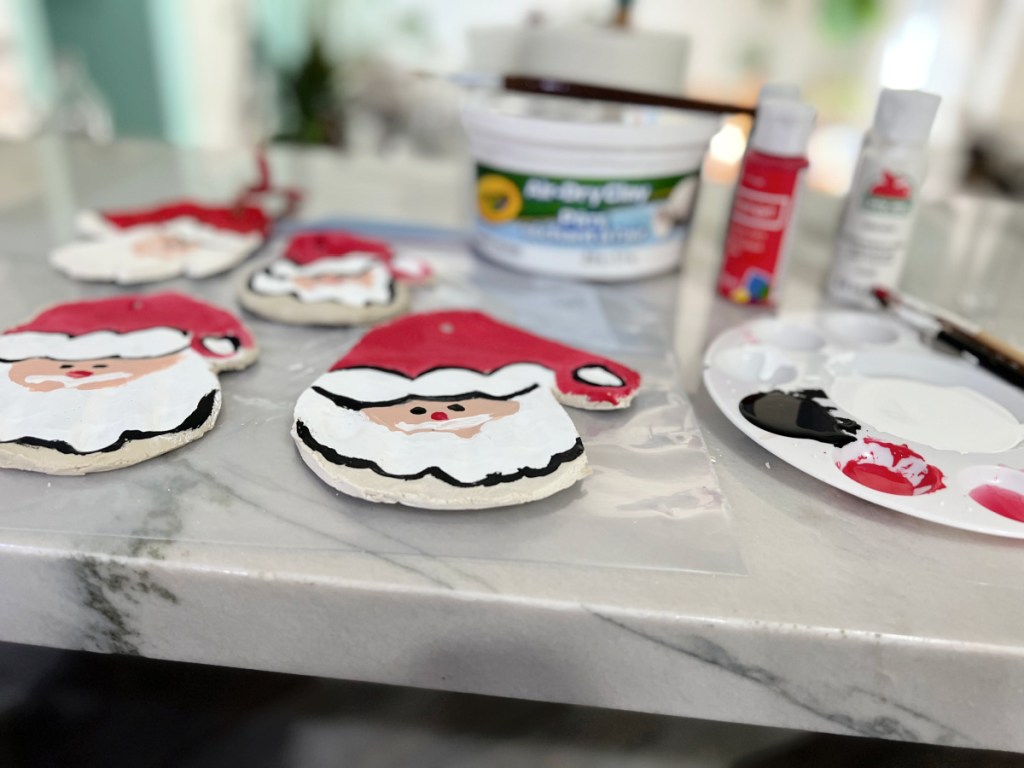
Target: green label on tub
pixel 504 196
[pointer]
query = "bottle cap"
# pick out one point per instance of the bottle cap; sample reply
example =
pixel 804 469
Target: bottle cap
pixel 905 117
pixel 789 91
pixel 782 127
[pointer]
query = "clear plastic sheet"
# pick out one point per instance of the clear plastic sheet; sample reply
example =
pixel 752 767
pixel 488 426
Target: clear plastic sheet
pixel 652 501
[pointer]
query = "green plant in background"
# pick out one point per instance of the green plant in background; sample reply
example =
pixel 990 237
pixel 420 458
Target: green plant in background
pixel 313 113
pixel 847 19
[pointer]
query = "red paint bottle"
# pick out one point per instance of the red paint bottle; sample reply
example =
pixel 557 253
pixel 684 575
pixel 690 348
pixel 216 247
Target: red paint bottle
pixel 757 237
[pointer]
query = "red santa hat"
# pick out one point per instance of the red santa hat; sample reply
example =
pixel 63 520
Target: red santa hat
pixel 241 219
pixel 340 252
pixel 308 247
pixel 128 326
pixel 450 353
pixel 250 213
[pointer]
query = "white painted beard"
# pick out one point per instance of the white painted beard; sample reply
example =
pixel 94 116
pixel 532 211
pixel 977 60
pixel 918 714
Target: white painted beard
pixel 350 294
pixel 117 256
pixel 530 439
pixel 91 420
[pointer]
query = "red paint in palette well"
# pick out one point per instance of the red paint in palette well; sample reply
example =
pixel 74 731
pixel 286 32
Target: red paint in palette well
pixel 1002 501
pixel 879 478
pixel 892 478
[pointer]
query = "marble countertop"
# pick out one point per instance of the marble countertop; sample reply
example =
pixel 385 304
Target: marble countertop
pixel 844 617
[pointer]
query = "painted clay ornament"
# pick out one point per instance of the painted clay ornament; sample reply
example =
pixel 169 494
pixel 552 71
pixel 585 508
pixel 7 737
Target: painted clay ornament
pixel 174 239
pixel 454 410
pixel 143 246
pixel 96 385
pixel 333 278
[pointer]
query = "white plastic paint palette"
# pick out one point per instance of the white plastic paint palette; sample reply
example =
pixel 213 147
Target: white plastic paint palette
pixel 858 401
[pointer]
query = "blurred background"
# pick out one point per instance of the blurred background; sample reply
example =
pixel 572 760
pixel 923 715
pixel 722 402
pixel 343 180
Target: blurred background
pixel 368 78
pixel 362 75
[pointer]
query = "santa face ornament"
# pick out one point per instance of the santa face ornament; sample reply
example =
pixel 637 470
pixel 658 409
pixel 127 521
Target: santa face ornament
pixel 332 278
pixel 169 241
pixel 454 410
pixel 97 385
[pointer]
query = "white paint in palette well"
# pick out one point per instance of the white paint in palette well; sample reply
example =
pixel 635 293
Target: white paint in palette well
pixel 953 418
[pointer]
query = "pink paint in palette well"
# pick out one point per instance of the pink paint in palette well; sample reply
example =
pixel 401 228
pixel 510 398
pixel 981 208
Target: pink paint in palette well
pixel 1000 500
pixel 889 468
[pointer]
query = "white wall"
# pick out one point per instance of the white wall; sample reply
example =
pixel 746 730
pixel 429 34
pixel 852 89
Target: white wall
pixel 203 61
pixel 27 87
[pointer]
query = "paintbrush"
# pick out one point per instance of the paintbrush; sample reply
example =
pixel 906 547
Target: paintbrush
pixel 990 352
pixel 551 87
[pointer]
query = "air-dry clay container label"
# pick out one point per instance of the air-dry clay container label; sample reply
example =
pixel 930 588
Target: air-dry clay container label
pixel 602 192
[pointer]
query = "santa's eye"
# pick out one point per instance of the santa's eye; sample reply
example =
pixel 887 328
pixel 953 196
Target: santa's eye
pixel 100 365
pixel 418 410
pixel 456 407
pixel 67 365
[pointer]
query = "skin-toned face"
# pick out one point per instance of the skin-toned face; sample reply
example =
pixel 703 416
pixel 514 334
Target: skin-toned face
pixel 308 282
pixel 463 418
pixel 40 374
pixel 162 246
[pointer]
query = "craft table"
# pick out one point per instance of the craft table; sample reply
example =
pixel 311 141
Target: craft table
pixel 846 617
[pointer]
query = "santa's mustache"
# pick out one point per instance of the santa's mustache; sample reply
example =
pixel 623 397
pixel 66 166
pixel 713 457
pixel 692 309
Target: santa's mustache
pixel 450 425
pixel 75 381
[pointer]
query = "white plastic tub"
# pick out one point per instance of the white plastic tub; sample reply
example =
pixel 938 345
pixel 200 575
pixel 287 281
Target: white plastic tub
pixel 583 189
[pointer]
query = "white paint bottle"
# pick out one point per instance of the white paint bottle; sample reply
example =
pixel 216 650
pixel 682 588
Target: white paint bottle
pixel 878 218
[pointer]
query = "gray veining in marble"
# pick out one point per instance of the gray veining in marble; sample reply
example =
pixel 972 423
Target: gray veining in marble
pixel 652 502
pixel 844 617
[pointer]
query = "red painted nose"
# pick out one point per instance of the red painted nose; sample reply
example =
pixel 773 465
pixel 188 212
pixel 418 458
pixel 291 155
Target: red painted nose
pixel 439 416
pixel 78 374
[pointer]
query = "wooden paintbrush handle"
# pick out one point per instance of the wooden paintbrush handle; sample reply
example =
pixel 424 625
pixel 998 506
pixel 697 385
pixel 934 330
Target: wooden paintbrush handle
pixel 554 87
pixel 1007 369
pixel 1001 347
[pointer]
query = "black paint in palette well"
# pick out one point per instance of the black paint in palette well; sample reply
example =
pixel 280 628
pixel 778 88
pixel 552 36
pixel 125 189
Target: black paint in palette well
pixel 798 414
